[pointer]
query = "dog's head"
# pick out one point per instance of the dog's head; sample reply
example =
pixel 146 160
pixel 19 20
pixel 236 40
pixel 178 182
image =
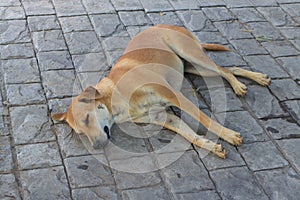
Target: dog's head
pixel 89 114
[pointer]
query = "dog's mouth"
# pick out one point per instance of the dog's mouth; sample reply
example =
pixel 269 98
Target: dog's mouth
pixel 103 141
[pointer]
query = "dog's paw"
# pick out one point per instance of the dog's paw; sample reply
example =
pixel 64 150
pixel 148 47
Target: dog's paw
pixel 262 79
pixel 219 151
pixel 240 89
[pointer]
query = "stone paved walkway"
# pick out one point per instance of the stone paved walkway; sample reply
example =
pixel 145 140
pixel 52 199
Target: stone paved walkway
pixel 51 49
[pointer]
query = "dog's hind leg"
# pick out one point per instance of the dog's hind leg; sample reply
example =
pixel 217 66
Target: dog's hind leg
pixel 174 123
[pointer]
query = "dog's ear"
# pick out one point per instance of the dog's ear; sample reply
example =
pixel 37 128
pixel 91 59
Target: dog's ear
pixel 89 94
pixel 59 116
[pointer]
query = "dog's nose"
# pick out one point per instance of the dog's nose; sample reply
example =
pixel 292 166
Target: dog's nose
pixel 100 143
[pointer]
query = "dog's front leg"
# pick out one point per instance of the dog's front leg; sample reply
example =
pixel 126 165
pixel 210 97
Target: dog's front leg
pixel 174 123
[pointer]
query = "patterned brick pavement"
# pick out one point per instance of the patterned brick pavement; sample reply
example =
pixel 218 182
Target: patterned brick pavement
pixel 51 49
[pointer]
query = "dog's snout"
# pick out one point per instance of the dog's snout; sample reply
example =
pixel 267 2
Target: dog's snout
pixel 100 143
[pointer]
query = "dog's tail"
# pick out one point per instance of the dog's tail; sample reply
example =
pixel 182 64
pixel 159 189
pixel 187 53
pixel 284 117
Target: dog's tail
pixel 214 47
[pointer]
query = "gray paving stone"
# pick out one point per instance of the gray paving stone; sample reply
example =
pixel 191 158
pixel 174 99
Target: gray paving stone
pixel 280 183
pixel 8 187
pixel 282 128
pixel 235 4
pixel 291 66
pixel 276 16
pixel 6 155
pixel 115 42
pixel 156 192
pixel 41 23
pixel 180 180
pixel 262 102
pixel 90 78
pixel 264 31
pixel 12 51
pixel 97 7
pixel 113 56
pixel 134 30
pixel 59 105
pixel 262 156
pixel 151 6
pixel 136 18
pixel 285 89
pixel 10 3
pixel 211 37
pixel 292 9
pixel 195 20
pixel 127 5
pixel 75 23
pixel 242 122
pixel 52 83
pixel 102 192
pixel 228 180
pixel 267 65
pixel 296 43
pixel 54 60
pixel 287 1
pixel 43 7
pixel 90 62
pixel 233 30
pixel 28 67
pixel 185 4
pixel 31 124
pixel 293 108
pixel 291 148
pixel 25 94
pixel 68 8
pixel 136 180
pixel 280 48
pixel 264 2
pixel 165 18
pixel 36 186
pixel 218 14
pixel 49 40
pixel 38 155
pixel 209 3
pixel 291 32
pixel 204 195
pixel 105 24
pixel 247 15
pixel 16 12
pixel 88 171
pixel 248 47
pixel 82 42
pixel 227 59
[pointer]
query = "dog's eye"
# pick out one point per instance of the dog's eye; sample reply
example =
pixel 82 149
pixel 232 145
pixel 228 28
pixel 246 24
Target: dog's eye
pixel 100 107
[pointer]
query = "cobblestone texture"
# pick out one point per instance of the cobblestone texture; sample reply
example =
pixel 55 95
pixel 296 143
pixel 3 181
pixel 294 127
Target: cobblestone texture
pixel 52 49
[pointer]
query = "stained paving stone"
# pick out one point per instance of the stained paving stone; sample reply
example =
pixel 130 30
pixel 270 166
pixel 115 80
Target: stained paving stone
pixel 75 23
pixel 28 67
pixel 233 30
pixel 90 62
pixel 68 8
pixel 211 37
pixel 280 48
pixel 262 156
pixel 267 65
pixel 96 7
pixel 49 40
pixel 247 15
pixel 276 16
pixel 82 42
pixel 218 14
pixel 105 24
pixel 228 180
pixel 262 102
pixel 280 183
pixel 54 60
pixel 16 12
pixel 204 195
pixel 138 18
pixel 36 186
pixel 264 31
pixel 42 23
pixel 8 187
pixel 185 4
pixel 293 108
pixel 102 192
pixel 156 192
pixel 38 155
pixel 88 171
pixel 180 180
pixel 291 148
pixel 290 65
pixel 285 89
pixel 150 6
pixel 23 128
pixel 282 128
pixel 6 155
pixel 12 51
pixel 14 31
pixel 195 20
pixel 25 94
pixel 38 7
pixel 165 18
pixel 127 5
pixel 248 47
pixel 52 83
pixel 244 123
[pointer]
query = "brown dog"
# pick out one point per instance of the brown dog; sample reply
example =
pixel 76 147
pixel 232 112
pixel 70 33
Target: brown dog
pixel 147 78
